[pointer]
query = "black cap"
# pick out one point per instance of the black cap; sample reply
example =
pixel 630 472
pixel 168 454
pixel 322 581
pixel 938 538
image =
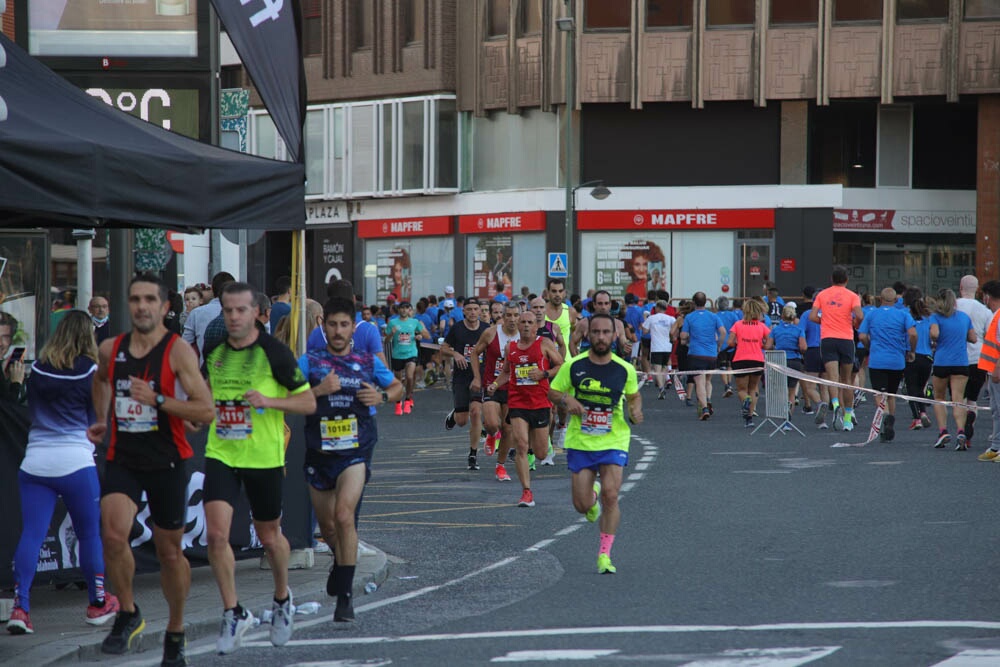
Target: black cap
pixel 405 304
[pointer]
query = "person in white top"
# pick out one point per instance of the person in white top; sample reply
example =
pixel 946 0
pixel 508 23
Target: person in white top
pixel 658 325
pixel 980 316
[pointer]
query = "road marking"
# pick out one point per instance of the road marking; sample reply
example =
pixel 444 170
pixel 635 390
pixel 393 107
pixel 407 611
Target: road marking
pixel 635 476
pixel 972 658
pixel 553 656
pixel 642 466
pixel 747 657
pixel 763 472
pixel 861 583
pixel 538 546
pixel 647 459
pixel 480 506
pixel 375 662
pixel 884 463
pixel 627 486
pixel 569 529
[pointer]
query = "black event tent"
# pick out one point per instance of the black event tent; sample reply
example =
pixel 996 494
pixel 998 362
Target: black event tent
pixel 69 158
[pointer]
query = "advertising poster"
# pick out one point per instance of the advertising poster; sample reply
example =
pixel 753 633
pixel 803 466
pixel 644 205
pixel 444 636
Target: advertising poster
pixel 634 267
pixel 493 263
pixel 332 257
pixel 394 274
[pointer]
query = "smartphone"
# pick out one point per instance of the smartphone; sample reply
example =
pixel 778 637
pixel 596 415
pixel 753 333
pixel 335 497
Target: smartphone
pixel 17 354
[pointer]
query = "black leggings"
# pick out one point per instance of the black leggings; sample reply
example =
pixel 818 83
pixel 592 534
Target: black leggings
pixel 916 374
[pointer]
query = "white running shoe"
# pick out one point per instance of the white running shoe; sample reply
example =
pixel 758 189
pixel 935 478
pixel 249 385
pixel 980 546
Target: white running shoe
pixel 558 436
pixel 365 550
pixel 282 619
pixel 232 630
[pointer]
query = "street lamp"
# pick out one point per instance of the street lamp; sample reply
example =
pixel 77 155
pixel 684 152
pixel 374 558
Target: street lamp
pixel 567 25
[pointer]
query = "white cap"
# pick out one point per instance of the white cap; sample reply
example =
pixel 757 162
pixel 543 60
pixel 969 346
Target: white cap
pixel 448 303
pixel 449 289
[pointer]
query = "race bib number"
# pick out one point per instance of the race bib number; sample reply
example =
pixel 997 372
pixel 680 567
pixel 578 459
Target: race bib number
pixel 499 367
pixel 404 338
pixel 596 421
pixel 467 353
pixel 233 420
pixel 521 375
pixel 131 416
pixel 338 434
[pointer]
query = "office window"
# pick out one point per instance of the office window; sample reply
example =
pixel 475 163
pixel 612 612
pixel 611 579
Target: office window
pixel 338 185
pixel 894 130
pixel 842 144
pixel 530 20
pixel 922 9
pixel 362 24
pixel 794 11
pixel 412 147
pixel 498 13
pixel 729 12
pixel 312 28
pixel 668 13
pixel 607 14
pixel 363 149
pixel 265 136
pixel 386 112
pixel 446 157
pixel 413 21
pixel 315 148
pixel 982 9
pixel 857 10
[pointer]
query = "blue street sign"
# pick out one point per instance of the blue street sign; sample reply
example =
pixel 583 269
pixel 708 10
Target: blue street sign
pixel 558 265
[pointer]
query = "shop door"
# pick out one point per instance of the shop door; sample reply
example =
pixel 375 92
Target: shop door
pixel 756 262
pixel 906 262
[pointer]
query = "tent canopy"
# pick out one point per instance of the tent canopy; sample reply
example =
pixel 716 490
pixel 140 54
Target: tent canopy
pixel 67 158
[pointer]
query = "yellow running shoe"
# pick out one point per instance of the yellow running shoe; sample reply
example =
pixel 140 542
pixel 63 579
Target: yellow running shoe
pixel 604 565
pixel 595 511
pixel 989 455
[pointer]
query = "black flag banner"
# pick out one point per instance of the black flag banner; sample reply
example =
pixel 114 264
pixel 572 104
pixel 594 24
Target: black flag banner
pixel 266 34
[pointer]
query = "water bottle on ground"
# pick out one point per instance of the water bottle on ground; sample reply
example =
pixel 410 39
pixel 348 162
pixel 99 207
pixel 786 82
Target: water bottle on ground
pixel 370 587
pixel 307 608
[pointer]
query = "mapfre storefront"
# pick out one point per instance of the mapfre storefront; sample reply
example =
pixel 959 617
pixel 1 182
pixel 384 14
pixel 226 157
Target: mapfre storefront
pixel 504 251
pixel 406 258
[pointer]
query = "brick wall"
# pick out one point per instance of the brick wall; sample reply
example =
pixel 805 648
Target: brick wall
pixel 988 189
pixel 7 26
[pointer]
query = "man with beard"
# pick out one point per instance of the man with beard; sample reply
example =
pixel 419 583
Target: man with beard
pixel 254 380
pixel 579 341
pixel 593 389
pixel 459 345
pixel 149 380
pixel 340 438
pixel 529 363
pixel 493 344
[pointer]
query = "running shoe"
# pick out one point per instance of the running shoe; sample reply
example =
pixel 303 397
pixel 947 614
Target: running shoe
pixel 430 377
pixel 595 510
pixel 232 629
pixel 823 426
pixel 399 408
pixel 174 650
pixel 473 464
pixel 502 475
pixel 787 426
pixel 970 429
pixel 688 403
pixel 407 406
pixel 531 461
pixel 449 421
pixel 988 455
pixel 705 414
pixel 344 612
pixel 604 565
pixel 19 622
pixel 527 499
pixel 126 628
pixel 925 421
pixel 858 397
pixel 559 435
pixel 943 439
pixel 490 446
pixel 821 413
pixel 888 428
pixel 915 425
pixel 101 615
pixel 962 443
pixel 282 619
pixel 711 410
pixel 748 422
pixel 421 385
pixel 729 391
pixel 808 410
pixel 746 408
pixel 838 418
pixel 550 458
pixel 849 423
pixel 662 394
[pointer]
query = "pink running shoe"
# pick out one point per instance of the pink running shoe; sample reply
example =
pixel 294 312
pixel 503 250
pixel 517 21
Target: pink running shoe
pixel 101 615
pixel 19 623
pixel 491 445
pixel 408 406
pixel 502 475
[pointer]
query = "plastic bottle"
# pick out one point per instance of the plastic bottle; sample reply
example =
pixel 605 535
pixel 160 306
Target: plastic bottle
pixel 370 587
pixel 307 608
pixel 265 617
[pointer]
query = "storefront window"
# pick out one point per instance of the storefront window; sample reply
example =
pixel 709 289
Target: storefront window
pixel 929 267
pixel 607 14
pixel 921 9
pixel 498 17
pixel 857 10
pixel 794 11
pixel 408 269
pixel 668 13
pixel 982 9
pixel 513 260
pixel 729 12
pixel 22 288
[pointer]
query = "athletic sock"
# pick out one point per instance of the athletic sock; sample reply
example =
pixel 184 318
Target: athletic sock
pixel 342 580
pixel 281 602
pixel 606 542
pixel 238 610
pixel 835 403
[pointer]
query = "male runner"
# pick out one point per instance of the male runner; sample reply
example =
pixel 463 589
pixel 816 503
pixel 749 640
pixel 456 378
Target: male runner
pixel 592 386
pixel 579 342
pixel 705 337
pixel 404 334
pixel 556 310
pixel 547 329
pixel 143 377
pixel 340 438
pixel 493 344
pixel 459 345
pixel 658 326
pixel 980 316
pixel 841 312
pixel 557 426
pixel 254 380
pixel 531 361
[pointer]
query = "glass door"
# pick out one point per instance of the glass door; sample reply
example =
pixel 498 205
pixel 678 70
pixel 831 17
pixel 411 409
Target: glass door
pixel 756 262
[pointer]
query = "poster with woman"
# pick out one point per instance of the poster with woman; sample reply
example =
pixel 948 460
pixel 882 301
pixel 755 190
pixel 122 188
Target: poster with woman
pixel 635 267
pixel 493 263
pixel 394 274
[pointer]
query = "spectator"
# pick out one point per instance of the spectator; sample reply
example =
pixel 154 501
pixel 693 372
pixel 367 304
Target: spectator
pixel 282 305
pixel 12 377
pixel 198 319
pixel 99 314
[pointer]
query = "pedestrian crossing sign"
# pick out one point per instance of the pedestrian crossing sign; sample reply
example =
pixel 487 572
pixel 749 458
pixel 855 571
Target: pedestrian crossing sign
pixel 558 263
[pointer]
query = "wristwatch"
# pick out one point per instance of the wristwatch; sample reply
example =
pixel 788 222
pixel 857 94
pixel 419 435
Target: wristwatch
pixel 160 400
pixel 545 374
pixel 385 397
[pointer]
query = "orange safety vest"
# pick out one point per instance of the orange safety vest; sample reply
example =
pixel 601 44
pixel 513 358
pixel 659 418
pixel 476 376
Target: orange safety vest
pixel 991 346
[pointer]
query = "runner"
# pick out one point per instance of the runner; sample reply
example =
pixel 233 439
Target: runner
pixel 459 345
pixel 340 438
pixel 592 387
pixel 142 377
pixel 728 316
pixel 750 337
pixel 841 312
pixel 980 316
pixel 917 373
pixel 404 334
pixel 579 342
pixel 254 380
pixel 557 426
pixel 950 330
pixel 988 357
pixel 547 329
pixel 493 345
pixel 658 326
pixel 534 360
pixel 705 337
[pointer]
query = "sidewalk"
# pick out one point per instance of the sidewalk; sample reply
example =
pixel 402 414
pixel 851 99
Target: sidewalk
pixel 62 635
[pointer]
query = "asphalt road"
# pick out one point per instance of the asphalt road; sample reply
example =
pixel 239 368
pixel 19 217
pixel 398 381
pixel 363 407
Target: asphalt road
pixel 734 550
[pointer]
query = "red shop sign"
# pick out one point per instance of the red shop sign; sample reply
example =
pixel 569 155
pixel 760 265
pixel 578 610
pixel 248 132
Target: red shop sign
pixel 487 223
pixel 669 220
pixel 434 226
pixel 787 264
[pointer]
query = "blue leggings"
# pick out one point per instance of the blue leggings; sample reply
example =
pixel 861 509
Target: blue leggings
pixel 81 493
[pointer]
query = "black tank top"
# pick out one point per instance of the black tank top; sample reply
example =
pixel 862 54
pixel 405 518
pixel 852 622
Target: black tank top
pixel 144 437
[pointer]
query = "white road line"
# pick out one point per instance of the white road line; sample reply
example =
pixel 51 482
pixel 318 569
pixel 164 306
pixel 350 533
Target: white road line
pixel 538 546
pixel 569 529
pixel 626 487
pixel 642 466
pixel 635 476
pixel 972 658
pixel 634 630
pixel 647 459
pixel 556 655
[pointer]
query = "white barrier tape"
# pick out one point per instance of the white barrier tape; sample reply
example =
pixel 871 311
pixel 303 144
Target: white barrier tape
pixel 876 427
